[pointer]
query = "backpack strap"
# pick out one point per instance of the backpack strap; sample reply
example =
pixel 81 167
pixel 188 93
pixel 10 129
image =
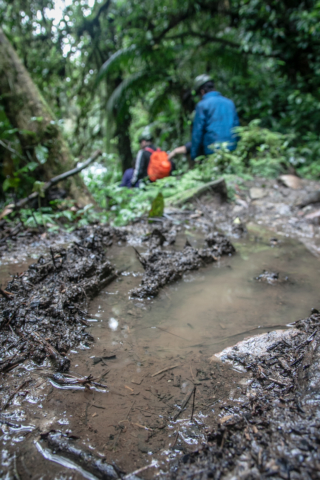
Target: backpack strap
pixel 148 149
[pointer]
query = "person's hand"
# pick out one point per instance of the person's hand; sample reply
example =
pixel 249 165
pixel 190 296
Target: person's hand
pixel 172 154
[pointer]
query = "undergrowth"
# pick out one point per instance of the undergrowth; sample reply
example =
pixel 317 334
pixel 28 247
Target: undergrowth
pixel 260 152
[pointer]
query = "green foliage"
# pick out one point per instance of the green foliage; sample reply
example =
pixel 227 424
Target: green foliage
pixel 61 215
pixel 39 188
pixel 10 183
pixel 157 206
pixel 260 152
pixel 41 153
pixel 108 69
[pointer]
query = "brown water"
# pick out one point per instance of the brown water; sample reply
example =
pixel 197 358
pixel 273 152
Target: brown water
pixel 131 421
pixel 213 307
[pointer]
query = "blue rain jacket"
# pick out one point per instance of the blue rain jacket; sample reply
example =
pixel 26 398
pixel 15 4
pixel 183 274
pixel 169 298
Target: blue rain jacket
pixel 215 118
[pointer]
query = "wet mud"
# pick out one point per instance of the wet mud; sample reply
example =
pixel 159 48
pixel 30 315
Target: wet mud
pixel 43 321
pixel 43 310
pixel 275 432
pixel 135 391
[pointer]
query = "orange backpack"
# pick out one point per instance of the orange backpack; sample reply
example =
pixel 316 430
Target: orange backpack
pixel 159 165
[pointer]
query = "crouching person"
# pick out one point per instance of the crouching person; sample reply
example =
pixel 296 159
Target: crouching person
pixel 150 162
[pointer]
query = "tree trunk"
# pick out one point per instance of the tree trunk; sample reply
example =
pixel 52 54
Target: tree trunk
pixel 29 113
pixel 124 145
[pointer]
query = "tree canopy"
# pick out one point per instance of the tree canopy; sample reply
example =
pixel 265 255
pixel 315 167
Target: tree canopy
pixel 108 68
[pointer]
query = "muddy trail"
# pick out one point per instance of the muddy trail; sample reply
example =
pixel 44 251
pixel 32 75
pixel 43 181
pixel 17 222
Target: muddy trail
pixel 110 342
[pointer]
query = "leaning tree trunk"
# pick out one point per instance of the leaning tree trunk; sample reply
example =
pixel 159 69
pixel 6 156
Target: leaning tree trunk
pixel 29 113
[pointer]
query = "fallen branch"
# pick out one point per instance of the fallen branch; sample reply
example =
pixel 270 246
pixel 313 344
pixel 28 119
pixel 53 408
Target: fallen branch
pixel 58 179
pixel 217 186
pixel 164 370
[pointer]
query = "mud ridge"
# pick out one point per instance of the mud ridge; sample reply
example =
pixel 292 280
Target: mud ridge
pixel 43 310
pixel 165 266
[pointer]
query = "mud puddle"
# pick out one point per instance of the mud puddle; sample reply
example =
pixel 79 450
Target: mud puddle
pixel 151 354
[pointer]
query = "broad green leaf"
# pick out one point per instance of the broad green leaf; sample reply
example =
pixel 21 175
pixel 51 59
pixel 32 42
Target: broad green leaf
pixel 11 183
pixel 39 188
pixel 157 206
pixel 41 153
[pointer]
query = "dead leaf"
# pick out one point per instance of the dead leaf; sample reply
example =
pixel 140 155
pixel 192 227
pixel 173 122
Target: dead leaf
pixel 226 418
pixel 6 211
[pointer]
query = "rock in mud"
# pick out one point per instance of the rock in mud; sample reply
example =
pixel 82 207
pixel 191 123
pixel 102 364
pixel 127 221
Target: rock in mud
pixel 268 277
pixel 313 217
pixel 43 311
pixel 257 193
pixel 164 266
pixel 313 197
pixel 290 181
pixel 220 244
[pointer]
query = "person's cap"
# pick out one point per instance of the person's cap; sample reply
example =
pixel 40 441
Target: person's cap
pixel 200 80
pixel 146 135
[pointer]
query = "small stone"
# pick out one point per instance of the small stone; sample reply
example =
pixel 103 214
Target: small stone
pixel 143 447
pixel 313 217
pixel 256 193
pixel 290 181
pixel 137 380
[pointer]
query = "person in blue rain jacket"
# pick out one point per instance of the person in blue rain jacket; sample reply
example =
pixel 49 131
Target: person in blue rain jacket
pixel 214 121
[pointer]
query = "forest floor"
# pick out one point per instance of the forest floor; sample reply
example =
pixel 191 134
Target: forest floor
pixel 107 356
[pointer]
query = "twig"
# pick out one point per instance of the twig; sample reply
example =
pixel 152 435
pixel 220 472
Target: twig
pixel 223 439
pixel 142 469
pixel 16 474
pixel 126 419
pixel 174 334
pixel 140 258
pixel 141 426
pixel 297 361
pixel 194 380
pixel 11 149
pixel 23 384
pixel 6 294
pixel 53 259
pixel 278 382
pixel 165 370
pixel 86 414
pixel 32 213
pixel 184 404
pixel 59 178
pixel 130 408
pixel 175 440
pixel 194 396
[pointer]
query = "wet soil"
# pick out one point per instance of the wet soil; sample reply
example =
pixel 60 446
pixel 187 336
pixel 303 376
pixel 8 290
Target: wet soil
pixel 275 432
pixel 268 203
pixel 146 395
